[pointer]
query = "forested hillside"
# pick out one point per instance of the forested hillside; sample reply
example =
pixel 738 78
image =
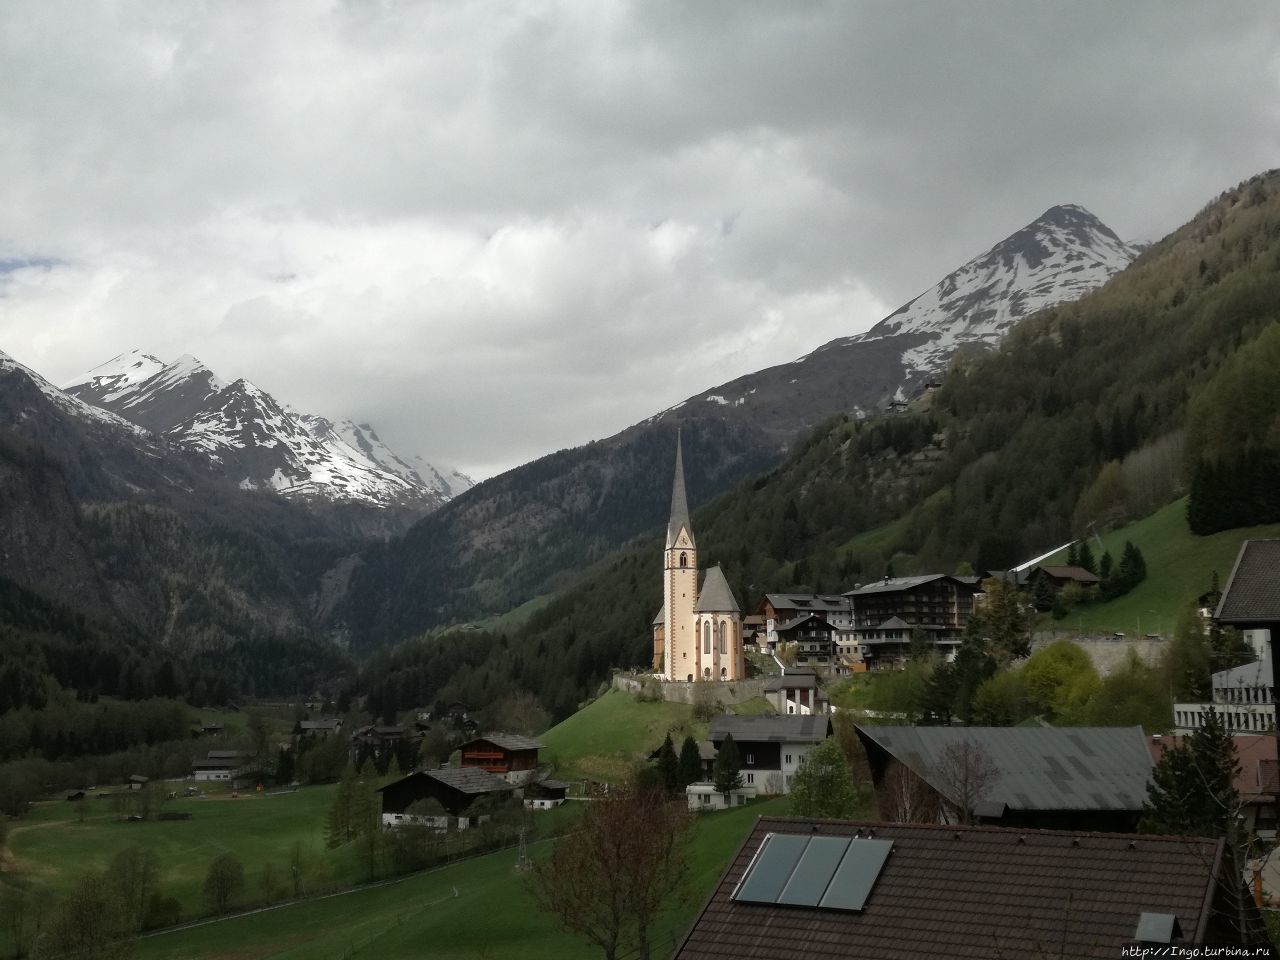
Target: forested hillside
pixel 1081 418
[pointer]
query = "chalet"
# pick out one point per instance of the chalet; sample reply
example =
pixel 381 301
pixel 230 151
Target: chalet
pixel 754 633
pixel 545 794
pixel 1059 778
pixel 1058 577
pixel 780 608
pixel 813 637
pixel 456 789
pixel 770 748
pixel 813 889
pixel 137 781
pixel 796 691
pixel 320 729
pixel 888 611
pixel 512 757
pixel 1251 599
pixel 1257 778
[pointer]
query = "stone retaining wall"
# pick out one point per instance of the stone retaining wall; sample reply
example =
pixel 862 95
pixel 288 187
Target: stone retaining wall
pixel 729 692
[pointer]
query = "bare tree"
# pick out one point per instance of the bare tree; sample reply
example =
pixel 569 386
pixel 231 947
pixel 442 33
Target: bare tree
pixel 523 714
pixel 905 797
pixel 965 773
pixel 608 881
pixel 89 924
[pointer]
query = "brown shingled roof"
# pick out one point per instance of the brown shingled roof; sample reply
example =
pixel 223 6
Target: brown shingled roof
pixel 977 892
pixel 1252 593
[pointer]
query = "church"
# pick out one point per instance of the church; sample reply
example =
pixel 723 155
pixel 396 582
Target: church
pixel 697 635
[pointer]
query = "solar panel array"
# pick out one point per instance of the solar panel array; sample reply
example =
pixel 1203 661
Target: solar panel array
pixel 832 873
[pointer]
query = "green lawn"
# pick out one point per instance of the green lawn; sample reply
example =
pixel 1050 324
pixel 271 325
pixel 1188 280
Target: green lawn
pixel 492 915
pixel 604 739
pixel 1179 567
pixel 50 847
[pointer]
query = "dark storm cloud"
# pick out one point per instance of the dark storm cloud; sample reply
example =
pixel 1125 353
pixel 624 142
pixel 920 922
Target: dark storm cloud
pixel 495 231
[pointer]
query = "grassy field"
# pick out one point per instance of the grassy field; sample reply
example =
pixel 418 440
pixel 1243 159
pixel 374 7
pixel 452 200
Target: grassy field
pixel 492 915
pixel 50 847
pixel 1179 567
pixel 604 739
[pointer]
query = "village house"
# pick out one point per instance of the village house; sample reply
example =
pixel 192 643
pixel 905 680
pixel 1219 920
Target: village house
pixel 697 635
pixel 1244 697
pixel 824 890
pixel 221 765
pixel 1057 577
pixel 886 612
pixel 796 691
pixel 705 798
pixel 770 748
pixel 1057 778
pixel 320 729
pixel 813 639
pixel 777 609
pixel 510 756
pixel 137 781
pixel 545 794
pixel 1251 599
pixel 455 788
pixel 377 741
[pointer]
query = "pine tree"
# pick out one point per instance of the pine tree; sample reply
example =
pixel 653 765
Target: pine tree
pixel 1084 557
pixel 1073 554
pixel 690 763
pixel 1192 790
pixel 728 772
pixel 1042 594
pixel 669 765
pixel 338 823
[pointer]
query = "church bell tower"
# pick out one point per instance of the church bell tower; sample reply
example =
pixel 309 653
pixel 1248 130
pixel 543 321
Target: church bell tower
pixel 680 584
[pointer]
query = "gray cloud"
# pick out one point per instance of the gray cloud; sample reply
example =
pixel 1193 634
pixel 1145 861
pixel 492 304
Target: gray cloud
pixel 496 231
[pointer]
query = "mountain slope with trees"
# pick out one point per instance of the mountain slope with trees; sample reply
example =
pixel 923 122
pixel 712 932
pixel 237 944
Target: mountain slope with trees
pixel 1085 404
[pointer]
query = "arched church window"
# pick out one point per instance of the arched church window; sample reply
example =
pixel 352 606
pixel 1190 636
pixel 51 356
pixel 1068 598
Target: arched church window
pixel 706 637
pixel 706 673
pixel 724 672
pixel 684 559
pixel 691 678
pixel 723 648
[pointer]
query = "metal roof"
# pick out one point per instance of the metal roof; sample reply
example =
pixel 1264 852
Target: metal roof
pixel 807 601
pixel 792 728
pixel 679 502
pixel 897 584
pixel 505 741
pixel 1041 768
pixel 1252 593
pixel 715 595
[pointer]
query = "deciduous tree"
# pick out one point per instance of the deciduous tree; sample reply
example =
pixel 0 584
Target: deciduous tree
pixel 608 881
pixel 223 882
pixel 965 773
pixel 823 785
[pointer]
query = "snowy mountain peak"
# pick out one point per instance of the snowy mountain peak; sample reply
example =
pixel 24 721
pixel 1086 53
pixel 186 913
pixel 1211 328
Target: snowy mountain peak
pixel 257 441
pixel 1060 256
pixel 67 402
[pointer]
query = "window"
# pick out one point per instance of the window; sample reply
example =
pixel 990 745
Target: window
pixel 751 758
pixel 751 777
pixel 706 638
pixel 788 758
pixel 706 673
pixel 684 559
pixel 723 648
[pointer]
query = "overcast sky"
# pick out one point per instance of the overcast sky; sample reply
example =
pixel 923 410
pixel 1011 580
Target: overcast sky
pixel 496 230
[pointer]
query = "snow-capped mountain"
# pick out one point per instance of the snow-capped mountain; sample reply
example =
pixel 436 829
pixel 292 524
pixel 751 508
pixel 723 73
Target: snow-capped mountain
pixel 256 441
pixel 68 403
pixel 1058 257
pixel 1061 256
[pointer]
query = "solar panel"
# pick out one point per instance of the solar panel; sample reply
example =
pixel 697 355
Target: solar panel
pixel 833 873
pixel 813 873
pixel 856 874
pixel 771 868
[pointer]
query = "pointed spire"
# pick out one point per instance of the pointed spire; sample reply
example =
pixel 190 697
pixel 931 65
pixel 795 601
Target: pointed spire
pixel 679 503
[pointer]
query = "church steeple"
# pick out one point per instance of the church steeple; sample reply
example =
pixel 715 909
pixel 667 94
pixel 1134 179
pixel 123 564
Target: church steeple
pixel 679 502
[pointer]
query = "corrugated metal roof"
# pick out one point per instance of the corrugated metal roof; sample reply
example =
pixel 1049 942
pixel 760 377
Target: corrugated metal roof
pixel 1041 768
